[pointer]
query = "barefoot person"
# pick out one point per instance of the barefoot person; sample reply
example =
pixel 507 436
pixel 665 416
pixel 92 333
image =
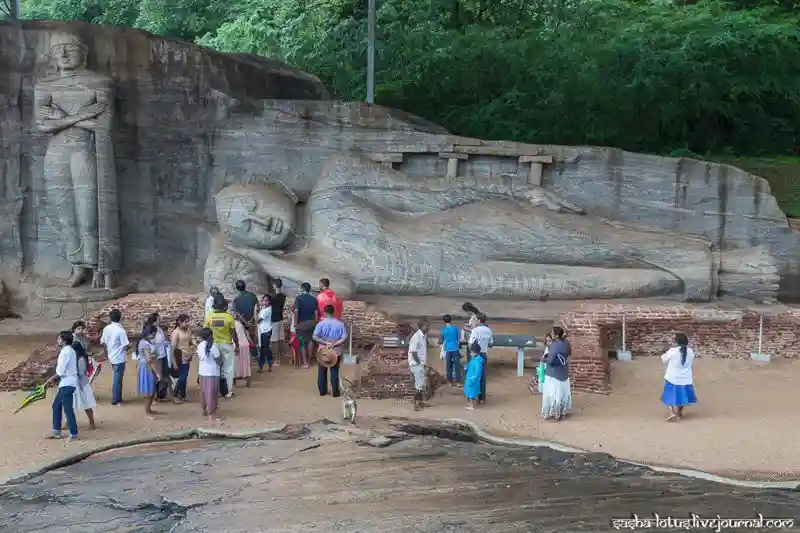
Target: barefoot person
pixel 306 316
pixel 278 337
pixel 243 351
pixel 114 341
pixel 245 307
pixel 149 369
pixel 67 376
pixel 163 357
pixel 472 382
pixel 452 355
pixel 678 379
pixel 417 359
pixel 182 355
pixel 209 358
pixel 84 396
pixel 264 334
pixel 223 326
pixel 471 323
pixel 483 335
pixel 556 393
pixel 330 333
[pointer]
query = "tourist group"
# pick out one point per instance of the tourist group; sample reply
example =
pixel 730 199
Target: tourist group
pixel 254 330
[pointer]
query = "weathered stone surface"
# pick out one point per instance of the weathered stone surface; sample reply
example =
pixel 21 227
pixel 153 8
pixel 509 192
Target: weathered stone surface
pixel 365 222
pixel 147 109
pixel 190 124
pixel 326 481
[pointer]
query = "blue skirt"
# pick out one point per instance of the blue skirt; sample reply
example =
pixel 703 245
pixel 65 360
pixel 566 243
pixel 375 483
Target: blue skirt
pixel 147 380
pixel 678 395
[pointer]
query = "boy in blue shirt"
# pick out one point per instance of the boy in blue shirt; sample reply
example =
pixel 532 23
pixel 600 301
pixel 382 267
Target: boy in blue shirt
pixel 452 355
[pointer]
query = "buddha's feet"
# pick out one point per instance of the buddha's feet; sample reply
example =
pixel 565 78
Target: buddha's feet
pixel 101 280
pixel 79 275
pixel 751 273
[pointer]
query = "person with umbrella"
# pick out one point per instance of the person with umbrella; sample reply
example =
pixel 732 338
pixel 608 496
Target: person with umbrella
pixel 67 377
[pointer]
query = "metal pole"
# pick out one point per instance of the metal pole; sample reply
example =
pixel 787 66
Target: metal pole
pixel 624 334
pixel 760 334
pixel 371 52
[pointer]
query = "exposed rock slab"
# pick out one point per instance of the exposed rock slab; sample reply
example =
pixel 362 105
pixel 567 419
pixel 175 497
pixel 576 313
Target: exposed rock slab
pixel 327 478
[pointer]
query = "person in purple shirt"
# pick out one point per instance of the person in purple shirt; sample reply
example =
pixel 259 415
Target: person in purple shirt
pixel 330 333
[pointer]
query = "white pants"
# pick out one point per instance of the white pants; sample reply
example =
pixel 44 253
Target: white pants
pixel 420 377
pixel 228 353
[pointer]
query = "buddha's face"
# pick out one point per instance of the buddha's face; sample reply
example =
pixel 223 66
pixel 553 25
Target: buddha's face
pixel 257 216
pixel 70 56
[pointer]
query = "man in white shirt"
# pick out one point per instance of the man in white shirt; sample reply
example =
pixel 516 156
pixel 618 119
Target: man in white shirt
pixel 67 375
pixel 114 341
pixel 483 336
pixel 417 359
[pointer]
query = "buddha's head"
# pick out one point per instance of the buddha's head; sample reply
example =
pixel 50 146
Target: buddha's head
pixel 259 216
pixel 68 50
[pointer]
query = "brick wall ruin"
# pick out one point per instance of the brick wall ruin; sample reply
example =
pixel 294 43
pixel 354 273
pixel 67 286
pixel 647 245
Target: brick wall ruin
pixel 386 375
pixel 368 327
pixel 596 329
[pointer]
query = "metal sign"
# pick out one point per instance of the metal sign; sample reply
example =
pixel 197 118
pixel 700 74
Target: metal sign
pixel 393 341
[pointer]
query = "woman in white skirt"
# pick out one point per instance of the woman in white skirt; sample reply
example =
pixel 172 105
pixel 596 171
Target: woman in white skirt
pixel 556 393
pixel 83 399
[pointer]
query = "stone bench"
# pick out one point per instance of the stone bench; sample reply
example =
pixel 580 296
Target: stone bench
pixel 520 342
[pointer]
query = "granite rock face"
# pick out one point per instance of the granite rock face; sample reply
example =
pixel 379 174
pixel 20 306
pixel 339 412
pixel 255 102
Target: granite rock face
pixel 388 477
pixel 160 101
pixel 230 166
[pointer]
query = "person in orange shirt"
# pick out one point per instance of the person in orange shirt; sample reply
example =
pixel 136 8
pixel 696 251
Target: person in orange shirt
pixel 328 297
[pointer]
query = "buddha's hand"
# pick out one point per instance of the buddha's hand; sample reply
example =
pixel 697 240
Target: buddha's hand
pixel 540 197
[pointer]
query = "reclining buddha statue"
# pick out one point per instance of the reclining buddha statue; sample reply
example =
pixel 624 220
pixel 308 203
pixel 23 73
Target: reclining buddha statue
pixel 373 230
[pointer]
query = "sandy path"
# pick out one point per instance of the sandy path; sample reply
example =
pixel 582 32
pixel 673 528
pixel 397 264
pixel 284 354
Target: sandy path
pixel 742 406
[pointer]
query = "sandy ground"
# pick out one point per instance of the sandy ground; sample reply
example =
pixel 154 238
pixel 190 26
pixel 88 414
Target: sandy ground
pixel 742 406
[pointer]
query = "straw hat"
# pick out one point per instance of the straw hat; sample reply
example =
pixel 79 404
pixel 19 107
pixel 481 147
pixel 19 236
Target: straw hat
pixel 327 357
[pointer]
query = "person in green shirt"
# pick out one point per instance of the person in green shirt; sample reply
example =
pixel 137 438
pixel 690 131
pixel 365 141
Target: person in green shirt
pixel 222 325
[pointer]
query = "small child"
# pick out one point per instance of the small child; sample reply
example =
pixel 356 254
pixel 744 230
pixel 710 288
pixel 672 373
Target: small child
pixel 472 382
pixel 452 355
pixel 210 359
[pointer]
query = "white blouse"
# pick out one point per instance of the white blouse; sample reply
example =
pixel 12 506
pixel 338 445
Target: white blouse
pixel 677 373
pixel 208 367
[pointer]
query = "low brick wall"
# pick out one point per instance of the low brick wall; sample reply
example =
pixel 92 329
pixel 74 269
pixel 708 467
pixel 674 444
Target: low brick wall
pixel 386 375
pixel 33 371
pixel 368 327
pixel 596 329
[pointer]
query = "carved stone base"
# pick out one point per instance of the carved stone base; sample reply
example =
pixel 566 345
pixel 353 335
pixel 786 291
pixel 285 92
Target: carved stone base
pixel 82 294
pixel 50 300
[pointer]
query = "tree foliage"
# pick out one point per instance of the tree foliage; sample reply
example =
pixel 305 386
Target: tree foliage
pixel 648 75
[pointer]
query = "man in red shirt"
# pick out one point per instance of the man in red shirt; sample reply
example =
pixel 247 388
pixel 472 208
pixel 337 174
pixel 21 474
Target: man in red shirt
pixel 328 297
